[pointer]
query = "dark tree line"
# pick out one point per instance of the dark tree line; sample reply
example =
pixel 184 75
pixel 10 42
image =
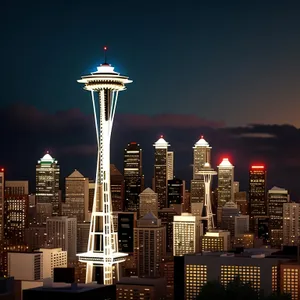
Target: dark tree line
pixel 235 290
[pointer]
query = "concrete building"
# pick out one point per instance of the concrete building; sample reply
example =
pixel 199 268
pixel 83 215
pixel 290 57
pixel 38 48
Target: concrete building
pixel 62 233
pixel 25 265
pixel 77 197
pixel 135 288
pixel 150 245
pixel 148 202
pixel 170 165
pixel 53 258
pixel 216 241
pixel 291 224
pixel 186 234
pixel 258 268
pixel 275 200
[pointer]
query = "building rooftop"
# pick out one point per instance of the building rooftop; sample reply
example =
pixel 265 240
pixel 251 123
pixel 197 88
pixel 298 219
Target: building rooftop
pixel 68 288
pixel 148 191
pixel 76 174
pixel 225 163
pixel 149 216
pixel 161 143
pixel 202 142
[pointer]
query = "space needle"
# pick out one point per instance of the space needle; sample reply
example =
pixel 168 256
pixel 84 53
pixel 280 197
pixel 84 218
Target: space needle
pixel 207 172
pixel 102 251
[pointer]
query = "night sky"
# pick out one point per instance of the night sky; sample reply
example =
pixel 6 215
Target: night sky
pixel 227 69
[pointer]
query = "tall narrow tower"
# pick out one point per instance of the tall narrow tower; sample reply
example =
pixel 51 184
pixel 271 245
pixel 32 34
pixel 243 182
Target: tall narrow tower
pixel 103 241
pixel 161 171
pixel 207 172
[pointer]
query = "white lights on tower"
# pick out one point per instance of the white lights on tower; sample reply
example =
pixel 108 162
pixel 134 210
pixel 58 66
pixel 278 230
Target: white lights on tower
pixel 207 172
pixel 102 250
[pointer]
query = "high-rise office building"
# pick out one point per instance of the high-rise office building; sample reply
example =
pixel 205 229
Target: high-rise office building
pixel 170 165
pixel 166 215
pixel 117 187
pixel 291 224
pixel 77 197
pixel 202 155
pixel 47 184
pixel 148 202
pixel 150 245
pixel 225 182
pixel 133 176
pixel 186 234
pixel 176 194
pixel 257 191
pixel 15 211
pixel 240 199
pixel 160 171
pixel 216 241
pixel 62 233
pixel 276 198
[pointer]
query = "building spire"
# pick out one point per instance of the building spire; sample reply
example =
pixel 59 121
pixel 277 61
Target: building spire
pixel 105 56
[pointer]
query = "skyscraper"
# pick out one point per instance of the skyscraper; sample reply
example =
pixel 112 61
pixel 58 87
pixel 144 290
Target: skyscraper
pixel 77 197
pixel 150 245
pixel 160 171
pixel 202 155
pixel 15 211
pixel 225 182
pixel 291 224
pixel 47 183
pixel 148 202
pixel 103 241
pixel 117 188
pixel 176 194
pixel 257 190
pixel 170 165
pixel 134 181
pixel 276 199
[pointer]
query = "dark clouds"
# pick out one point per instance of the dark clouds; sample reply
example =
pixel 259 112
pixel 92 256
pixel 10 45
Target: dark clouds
pixel 69 136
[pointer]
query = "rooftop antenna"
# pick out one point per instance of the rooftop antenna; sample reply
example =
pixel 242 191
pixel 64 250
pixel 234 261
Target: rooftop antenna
pixel 105 57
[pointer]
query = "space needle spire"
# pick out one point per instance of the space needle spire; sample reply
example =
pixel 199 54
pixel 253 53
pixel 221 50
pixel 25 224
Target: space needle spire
pixel 102 251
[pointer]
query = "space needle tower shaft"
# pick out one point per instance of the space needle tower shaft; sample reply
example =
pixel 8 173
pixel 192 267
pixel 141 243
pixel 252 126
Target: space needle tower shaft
pixel 102 251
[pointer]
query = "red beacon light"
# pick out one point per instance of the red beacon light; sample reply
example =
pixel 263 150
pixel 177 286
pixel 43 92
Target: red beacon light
pixel 2 169
pixel 257 167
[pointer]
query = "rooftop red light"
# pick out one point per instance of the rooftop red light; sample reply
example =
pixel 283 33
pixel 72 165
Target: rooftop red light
pixel 257 167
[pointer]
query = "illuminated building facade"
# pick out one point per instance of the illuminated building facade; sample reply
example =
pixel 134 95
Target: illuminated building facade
pixel 16 211
pixel 133 176
pixel 47 187
pixel 102 249
pixel 77 197
pixel 225 182
pixel 202 155
pixel 170 165
pixel 259 271
pixel 207 172
pixel 289 279
pixel 276 198
pixel 186 234
pixel 160 171
pixel 257 191
pixel 216 241
pixel 291 224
